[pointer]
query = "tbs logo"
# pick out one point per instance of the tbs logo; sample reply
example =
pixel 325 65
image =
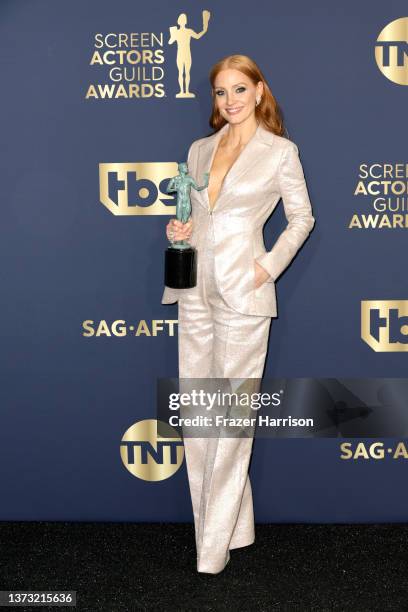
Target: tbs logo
pixel 137 188
pixel 384 324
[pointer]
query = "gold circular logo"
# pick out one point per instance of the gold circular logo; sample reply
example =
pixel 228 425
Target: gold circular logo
pixel 149 455
pixel 391 51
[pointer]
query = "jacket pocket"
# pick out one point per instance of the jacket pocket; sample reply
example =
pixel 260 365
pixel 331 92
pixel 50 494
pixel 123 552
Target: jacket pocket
pixel 254 258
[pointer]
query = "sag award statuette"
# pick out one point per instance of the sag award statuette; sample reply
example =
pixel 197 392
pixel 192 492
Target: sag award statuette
pixel 180 267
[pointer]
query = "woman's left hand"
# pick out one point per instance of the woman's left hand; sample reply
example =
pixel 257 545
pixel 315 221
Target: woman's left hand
pixel 261 275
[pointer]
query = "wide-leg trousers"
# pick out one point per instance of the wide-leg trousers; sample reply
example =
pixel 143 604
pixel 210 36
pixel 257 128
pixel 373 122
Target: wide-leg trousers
pixel 218 342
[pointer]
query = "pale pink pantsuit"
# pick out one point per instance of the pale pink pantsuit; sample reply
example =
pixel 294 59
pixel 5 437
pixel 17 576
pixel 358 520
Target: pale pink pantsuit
pixel 218 342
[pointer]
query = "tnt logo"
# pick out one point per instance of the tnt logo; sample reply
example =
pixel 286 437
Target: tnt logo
pixel 384 324
pixel 137 189
pixel 148 455
pixel 391 51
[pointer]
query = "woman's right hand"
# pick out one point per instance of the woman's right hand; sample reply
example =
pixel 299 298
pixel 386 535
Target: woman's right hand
pixel 176 230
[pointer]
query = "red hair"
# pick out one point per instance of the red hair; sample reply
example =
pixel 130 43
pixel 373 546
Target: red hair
pixel 267 112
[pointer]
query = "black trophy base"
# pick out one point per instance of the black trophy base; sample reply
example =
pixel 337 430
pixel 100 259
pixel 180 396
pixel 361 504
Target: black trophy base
pixel 180 268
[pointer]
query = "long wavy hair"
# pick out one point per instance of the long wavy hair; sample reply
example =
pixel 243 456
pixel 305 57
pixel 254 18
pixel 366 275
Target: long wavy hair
pixel 267 112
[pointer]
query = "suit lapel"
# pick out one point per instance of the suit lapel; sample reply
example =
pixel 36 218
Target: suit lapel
pixel 247 159
pixel 205 156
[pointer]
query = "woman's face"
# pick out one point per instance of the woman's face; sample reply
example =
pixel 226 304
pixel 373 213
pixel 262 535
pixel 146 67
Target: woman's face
pixel 235 95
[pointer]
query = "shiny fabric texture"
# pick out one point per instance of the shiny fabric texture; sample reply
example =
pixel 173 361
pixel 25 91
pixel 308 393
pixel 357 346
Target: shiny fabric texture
pixel 215 341
pixel 267 169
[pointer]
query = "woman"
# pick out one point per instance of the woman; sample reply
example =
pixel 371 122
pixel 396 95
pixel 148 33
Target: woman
pixel 224 321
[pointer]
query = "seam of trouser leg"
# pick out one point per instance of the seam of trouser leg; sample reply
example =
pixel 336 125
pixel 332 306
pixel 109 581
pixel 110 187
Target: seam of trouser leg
pixel 216 375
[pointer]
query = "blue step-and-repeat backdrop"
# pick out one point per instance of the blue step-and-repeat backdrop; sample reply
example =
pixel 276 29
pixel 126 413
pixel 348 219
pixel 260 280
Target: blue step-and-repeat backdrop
pixel 92 128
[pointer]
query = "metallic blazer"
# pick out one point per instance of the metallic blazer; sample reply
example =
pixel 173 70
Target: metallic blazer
pixel 267 169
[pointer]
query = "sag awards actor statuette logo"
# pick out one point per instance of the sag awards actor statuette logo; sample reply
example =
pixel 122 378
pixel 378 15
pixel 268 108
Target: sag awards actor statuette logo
pixel 391 51
pixel 133 65
pixel 182 36
pixel 149 456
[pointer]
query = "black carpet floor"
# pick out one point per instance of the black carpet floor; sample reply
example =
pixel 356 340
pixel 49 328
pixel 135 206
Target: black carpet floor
pixel 124 567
